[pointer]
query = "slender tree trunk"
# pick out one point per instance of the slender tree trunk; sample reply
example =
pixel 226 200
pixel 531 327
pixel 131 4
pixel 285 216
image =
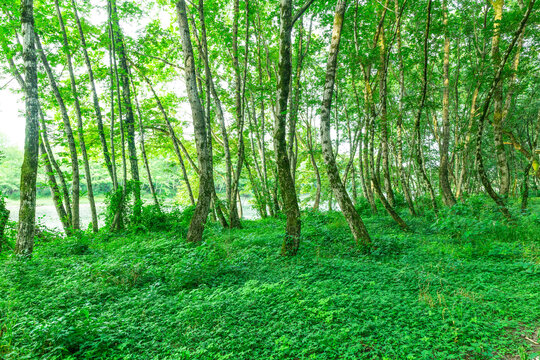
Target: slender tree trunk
pixel 80 130
pixel 262 133
pixel 112 71
pixel 399 132
pixel 48 158
pixel 70 139
pixel 129 118
pixel 419 157
pixel 200 214
pixel 444 183
pixel 502 161
pixel 384 116
pixel 295 99
pixel 291 241
pixel 56 167
pixel 234 220
pixel 95 99
pixel 27 212
pixel 262 196
pixel 143 148
pixel 491 94
pixel 55 191
pixel 175 141
pixel 464 157
pixel 354 220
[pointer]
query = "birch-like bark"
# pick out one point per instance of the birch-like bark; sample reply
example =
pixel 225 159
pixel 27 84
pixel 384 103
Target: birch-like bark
pixel 75 218
pixel 291 242
pixel 95 99
pixel 502 161
pixel 80 130
pixel 419 156
pixel 354 220
pixel 399 132
pixel 446 190
pixel 200 214
pixel 143 147
pixel 128 109
pixel 487 102
pixel 27 212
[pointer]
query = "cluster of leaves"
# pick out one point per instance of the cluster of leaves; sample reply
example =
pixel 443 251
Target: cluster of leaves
pixel 152 295
pixel 4 217
pixel 476 228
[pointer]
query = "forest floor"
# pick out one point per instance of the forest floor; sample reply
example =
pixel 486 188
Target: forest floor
pixel 462 286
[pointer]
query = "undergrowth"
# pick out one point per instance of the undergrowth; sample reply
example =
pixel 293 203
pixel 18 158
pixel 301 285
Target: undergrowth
pixel 464 285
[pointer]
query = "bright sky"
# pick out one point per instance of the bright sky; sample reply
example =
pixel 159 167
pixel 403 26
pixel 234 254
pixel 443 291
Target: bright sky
pixel 12 120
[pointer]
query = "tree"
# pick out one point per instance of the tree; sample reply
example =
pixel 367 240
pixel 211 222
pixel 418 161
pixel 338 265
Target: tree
pixel 354 220
pixel 27 212
pixel 200 214
pixel 291 242
pixel 446 190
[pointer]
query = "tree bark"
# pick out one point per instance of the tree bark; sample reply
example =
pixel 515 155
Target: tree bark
pixel 291 241
pixel 55 191
pixel 70 139
pixel 143 148
pixel 491 94
pixel 384 116
pixel 95 99
pixel 502 161
pixel 354 220
pixel 27 212
pixel 200 214
pixel 128 109
pixel 446 190
pixel 80 130
pixel 399 132
pixel 419 157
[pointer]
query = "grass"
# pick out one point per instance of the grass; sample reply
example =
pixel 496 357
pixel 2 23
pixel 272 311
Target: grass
pixel 455 289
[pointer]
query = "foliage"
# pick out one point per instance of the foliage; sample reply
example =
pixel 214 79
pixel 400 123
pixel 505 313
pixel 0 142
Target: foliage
pixel 4 217
pixel 152 295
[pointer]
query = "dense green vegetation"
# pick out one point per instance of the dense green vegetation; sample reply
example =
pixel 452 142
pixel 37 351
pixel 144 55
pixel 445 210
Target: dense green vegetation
pixel 194 154
pixel 167 177
pixel 464 286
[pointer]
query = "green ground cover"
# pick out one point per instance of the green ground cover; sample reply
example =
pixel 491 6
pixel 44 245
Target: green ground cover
pixel 462 286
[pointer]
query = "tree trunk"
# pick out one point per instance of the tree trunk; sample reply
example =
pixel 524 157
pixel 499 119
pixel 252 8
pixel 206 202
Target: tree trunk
pixel 200 214
pixel 97 108
pixel 291 241
pixel 446 190
pixel 399 132
pixel 491 94
pixel 48 159
pixel 173 138
pixel 384 117
pixel 502 161
pixel 463 164
pixel 70 139
pixel 55 191
pixel 317 201
pixel 354 220
pixel 234 220
pixel 128 109
pixel 419 157
pixel 80 130
pixel 143 148
pixel 27 212
pixel 112 71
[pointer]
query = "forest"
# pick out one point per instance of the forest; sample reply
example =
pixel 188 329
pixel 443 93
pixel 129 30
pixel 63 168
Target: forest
pixel 292 179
